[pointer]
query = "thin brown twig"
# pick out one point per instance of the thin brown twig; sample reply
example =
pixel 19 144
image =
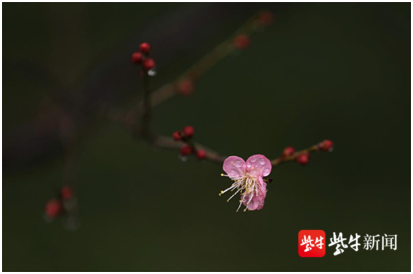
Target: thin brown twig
pixel 292 157
pixel 145 122
pixel 204 64
pixel 167 142
pixel 152 99
pixel 128 119
pixel 161 141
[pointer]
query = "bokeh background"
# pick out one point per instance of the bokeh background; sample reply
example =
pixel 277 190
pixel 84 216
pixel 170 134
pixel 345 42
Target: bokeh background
pixel 322 71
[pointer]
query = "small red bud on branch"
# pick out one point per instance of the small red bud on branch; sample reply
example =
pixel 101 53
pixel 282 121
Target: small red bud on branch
pixel 186 87
pixel 326 145
pixel 266 18
pixel 288 151
pixel 145 48
pixel 303 158
pixel 53 209
pixel 137 57
pixel 201 154
pixel 185 150
pixel 66 193
pixel 188 131
pixel 241 41
pixel 177 135
pixel 148 64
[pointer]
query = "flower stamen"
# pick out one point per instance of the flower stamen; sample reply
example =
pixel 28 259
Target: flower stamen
pixel 240 203
pixel 234 194
pixel 247 183
pixel 247 180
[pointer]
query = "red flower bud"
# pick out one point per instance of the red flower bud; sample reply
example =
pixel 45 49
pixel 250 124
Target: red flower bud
pixel 201 154
pixel 303 159
pixel 266 18
pixel 53 208
pixel 188 131
pixel 145 48
pixel 148 64
pixel 137 57
pixel 326 145
pixel 288 151
pixel 241 41
pixel 186 87
pixel 177 135
pixel 185 150
pixel 66 193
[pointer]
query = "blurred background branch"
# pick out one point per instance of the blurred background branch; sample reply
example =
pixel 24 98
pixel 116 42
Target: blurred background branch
pixel 102 85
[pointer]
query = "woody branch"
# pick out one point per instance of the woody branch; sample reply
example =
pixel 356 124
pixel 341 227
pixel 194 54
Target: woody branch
pixel 184 85
pixel 138 119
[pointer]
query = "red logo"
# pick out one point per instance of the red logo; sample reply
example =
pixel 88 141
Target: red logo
pixel 311 243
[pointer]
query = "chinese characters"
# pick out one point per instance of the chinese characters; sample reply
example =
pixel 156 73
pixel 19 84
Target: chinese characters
pixel 371 242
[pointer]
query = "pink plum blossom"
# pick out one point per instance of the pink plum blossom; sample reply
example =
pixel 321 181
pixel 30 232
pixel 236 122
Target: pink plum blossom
pixel 248 179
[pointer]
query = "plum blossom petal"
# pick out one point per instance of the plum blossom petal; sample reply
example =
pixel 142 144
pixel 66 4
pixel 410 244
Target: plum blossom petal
pixel 234 166
pixel 257 202
pixel 247 180
pixel 263 191
pixel 259 165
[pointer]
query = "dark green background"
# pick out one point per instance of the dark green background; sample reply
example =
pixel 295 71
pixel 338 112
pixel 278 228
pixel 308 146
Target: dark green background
pixel 321 71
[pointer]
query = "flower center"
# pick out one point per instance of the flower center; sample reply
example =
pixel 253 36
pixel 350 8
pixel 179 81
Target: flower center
pixel 247 185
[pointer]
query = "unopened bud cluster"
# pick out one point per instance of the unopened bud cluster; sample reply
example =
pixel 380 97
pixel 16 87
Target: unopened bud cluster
pixel 141 57
pixel 304 157
pixel 264 19
pixel 188 147
pixel 56 207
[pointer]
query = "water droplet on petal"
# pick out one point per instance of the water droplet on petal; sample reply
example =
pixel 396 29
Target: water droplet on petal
pixel 238 163
pixel 262 162
pixel 233 173
pixel 253 160
pixel 266 171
